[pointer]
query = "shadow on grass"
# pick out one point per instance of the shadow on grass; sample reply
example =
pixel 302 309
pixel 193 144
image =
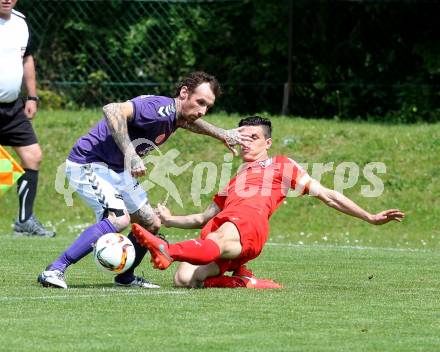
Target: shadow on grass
pixel 109 285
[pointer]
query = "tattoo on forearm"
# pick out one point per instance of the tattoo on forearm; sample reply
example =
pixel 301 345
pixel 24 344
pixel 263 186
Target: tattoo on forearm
pixel 202 127
pixel 147 218
pixel 117 123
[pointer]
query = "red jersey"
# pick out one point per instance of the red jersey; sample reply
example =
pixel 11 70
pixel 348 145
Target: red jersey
pixel 262 186
pixel 250 199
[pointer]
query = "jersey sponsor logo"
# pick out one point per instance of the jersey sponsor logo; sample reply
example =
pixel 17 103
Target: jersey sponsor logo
pixel 165 111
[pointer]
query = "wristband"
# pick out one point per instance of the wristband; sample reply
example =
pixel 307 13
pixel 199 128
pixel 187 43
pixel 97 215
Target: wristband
pixel 34 98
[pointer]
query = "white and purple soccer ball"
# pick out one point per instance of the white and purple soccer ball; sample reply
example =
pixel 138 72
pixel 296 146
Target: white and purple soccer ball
pixel 114 253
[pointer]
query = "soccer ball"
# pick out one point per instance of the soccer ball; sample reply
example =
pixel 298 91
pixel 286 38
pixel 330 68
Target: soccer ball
pixel 114 253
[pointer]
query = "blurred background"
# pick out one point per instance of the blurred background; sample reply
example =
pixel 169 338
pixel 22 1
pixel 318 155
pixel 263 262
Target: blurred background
pixel 367 60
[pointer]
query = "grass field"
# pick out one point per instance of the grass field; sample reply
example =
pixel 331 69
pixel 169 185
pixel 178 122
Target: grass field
pixel 348 285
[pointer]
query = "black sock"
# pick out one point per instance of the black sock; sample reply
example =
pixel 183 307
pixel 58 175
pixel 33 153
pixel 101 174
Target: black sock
pixel 27 190
pixel 140 251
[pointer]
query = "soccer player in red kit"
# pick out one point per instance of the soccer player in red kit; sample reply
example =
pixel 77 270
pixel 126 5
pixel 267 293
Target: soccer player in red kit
pixel 235 226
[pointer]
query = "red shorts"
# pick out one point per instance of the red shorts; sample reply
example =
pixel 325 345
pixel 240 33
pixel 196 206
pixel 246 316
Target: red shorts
pixel 253 235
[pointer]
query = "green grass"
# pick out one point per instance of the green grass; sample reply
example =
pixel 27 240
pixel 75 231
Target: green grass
pixel 348 285
pixel 335 299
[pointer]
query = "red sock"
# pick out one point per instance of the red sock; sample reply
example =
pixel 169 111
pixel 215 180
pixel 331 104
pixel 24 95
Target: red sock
pixel 196 251
pixel 223 281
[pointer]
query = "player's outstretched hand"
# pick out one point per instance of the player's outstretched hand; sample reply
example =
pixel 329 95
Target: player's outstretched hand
pixel 163 213
pixel 137 167
pixel 236 136
pixel 386 216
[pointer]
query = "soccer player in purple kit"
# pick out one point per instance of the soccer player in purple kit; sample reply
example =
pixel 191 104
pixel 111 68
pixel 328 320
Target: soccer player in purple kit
pixel 103 164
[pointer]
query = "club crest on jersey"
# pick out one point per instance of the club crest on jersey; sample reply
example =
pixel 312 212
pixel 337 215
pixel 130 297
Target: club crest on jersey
pixel 266 162
pixel 166 110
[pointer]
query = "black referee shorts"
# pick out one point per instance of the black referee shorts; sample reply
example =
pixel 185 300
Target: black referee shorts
pixel 15 128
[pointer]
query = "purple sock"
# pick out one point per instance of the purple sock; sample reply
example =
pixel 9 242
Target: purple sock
pixel 82 245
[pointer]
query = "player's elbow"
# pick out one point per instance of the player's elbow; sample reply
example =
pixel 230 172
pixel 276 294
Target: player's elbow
pixel 107 109
pixel 328 197
pixel 334 199
pixel 199 221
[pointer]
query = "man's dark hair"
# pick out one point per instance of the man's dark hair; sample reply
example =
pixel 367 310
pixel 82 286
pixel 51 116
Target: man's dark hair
pixel 258 121
pixel 194 79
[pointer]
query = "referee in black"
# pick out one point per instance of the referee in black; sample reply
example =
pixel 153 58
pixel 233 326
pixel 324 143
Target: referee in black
pixel 17 68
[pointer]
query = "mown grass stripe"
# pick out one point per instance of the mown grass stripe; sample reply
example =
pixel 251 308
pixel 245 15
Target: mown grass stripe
pixel 113 294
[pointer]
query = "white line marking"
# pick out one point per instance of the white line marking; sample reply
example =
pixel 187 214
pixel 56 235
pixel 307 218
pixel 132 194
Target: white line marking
pixel 360 248
pixel 112 293
pixel 276 244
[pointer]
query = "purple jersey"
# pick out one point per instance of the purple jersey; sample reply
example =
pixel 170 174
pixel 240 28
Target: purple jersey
pixel 153 122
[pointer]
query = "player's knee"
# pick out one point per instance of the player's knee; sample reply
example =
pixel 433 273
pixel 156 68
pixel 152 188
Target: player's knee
pixel 179 280
pixel 118 217
pixel 38 156
pixel 227 239
pixel 184 279
pixel 32 159
pixel 218 237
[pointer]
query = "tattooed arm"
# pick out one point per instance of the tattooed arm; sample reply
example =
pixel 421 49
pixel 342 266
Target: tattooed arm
pixel 146 217
pixel 228 137
pixel 117 115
